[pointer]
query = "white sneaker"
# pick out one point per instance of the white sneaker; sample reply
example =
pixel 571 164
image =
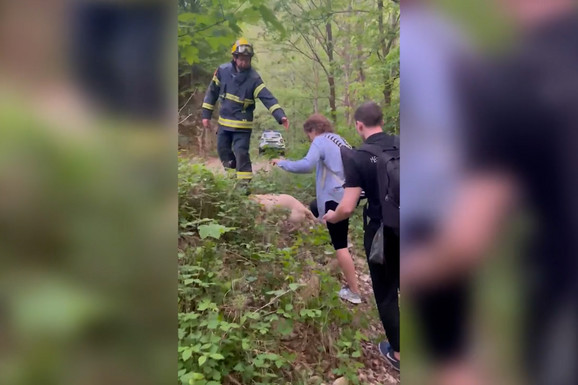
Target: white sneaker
pixel 346 294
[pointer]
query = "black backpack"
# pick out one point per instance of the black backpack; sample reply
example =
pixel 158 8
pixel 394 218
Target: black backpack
pixel 388 181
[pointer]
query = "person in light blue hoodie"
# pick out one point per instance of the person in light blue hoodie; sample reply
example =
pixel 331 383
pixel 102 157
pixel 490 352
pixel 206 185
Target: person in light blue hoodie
pixel 325 156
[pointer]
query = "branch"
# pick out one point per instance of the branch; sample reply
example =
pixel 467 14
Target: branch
pixel 232 379
pixel 322 37
pixel 209 26
pixel 320 41
pixel 301 52
pixel 312 2
pixel 273 300
pixel 218 22
pixel 325 16
pixel 188 100
pixel 315 53
pixel 350 11
pixel 185 119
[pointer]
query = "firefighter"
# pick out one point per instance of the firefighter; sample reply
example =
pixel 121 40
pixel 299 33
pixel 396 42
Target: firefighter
pixel 238 86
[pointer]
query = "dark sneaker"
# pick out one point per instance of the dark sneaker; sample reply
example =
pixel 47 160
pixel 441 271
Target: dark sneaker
pixel 387 352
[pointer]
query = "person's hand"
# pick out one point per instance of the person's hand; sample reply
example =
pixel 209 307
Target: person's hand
pixel 285 122
pixel 329 216
pixel 275 161
pixel 423 268
pixel 206 123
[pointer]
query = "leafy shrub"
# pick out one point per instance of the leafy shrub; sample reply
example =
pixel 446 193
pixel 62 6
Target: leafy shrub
pixel 248 292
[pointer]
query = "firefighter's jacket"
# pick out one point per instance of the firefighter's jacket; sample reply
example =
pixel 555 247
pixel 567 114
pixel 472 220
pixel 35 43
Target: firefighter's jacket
pixel 237 93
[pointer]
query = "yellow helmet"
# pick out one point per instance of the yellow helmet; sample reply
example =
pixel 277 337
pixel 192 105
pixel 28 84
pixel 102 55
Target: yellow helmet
pixel 242 47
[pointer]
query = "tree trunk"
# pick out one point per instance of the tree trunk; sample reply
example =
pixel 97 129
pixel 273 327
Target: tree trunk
pixel 385 46
pixel 347 68
pixel 316 89
pixel 331 76
pixel 383 53
pixel 360 62
pixel 386 92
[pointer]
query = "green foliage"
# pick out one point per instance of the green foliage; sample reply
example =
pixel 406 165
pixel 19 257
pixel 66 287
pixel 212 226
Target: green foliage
pixel 292 57
pixel 208 28
pixel 245 292
pixel 213 230
pixel 364 63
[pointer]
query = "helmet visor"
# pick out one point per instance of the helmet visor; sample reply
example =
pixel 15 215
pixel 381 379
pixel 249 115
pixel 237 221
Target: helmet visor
pixel 245 50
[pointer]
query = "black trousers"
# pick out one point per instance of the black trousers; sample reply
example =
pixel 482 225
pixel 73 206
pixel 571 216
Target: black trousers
pixel 385 281
pixel 442 312
pixel 233 149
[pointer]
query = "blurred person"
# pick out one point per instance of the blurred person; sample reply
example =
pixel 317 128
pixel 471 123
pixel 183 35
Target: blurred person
pixel 237 85
pixel 433 50
pixel 521 145
pixel 325 155
pixel 82 205
pixel 118 52
pixel 360 168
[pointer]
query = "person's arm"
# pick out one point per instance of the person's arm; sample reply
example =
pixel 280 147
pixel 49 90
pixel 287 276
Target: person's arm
pixel 481 206
pixel 346 206
pixel 270 102
pixel 302 166
pixel 211 98
pixel 352 188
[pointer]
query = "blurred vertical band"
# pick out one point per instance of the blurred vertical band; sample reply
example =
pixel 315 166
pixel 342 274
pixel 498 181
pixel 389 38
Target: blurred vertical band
pixel 489 183
pixel 87 192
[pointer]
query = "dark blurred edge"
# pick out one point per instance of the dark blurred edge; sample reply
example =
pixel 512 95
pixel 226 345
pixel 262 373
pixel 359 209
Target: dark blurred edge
pixel 87 193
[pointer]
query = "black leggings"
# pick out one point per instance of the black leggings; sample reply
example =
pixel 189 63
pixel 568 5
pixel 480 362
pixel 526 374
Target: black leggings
pixel 385 281
pixel 337 231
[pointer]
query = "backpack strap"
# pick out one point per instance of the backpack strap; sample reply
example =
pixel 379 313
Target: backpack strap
pixel 324 176
pixel 339 144
pixel 377 151
pixel 333 138
pixel 365 216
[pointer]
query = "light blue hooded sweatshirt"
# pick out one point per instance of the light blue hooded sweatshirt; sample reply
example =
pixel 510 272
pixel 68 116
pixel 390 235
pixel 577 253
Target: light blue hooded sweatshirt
pixel 325 155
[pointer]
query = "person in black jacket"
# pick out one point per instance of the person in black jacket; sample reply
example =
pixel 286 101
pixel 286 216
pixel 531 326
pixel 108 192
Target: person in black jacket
pixel 360 169
pixel 237 86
